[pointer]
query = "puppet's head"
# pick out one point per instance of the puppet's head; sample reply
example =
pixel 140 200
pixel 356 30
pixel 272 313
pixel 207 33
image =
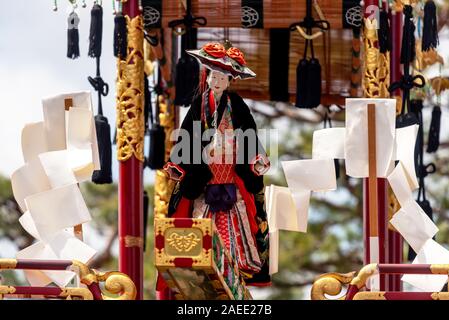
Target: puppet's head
pixel 223 58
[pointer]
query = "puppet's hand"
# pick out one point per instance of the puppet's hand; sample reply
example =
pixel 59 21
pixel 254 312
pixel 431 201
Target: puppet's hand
pixel 174 171
pixel 260 164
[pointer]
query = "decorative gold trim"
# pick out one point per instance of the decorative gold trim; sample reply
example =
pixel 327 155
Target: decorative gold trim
pixel 83 293
pixel 330 284
pixel 440 296
pixel 439 269
pixel 7 290
pixel 117 283
pixel 367 295
pixel 131 241
pixel 130 117
pixel 376 79
pixel 363 275
pixel 163 186
pixel 8 264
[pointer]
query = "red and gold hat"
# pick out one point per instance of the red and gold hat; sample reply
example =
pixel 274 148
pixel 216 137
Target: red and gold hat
pixel 214 56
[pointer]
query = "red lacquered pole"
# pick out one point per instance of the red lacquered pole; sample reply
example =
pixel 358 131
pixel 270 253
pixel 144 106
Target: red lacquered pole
pixel 130 135
pixel 395 245
pixel 371 10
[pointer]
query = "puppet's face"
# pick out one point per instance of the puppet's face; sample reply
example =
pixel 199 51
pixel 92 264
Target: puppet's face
pixel 218 82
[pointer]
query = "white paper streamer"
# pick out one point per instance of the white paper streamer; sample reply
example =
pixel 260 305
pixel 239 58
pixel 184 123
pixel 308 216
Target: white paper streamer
pixel 405 152
pixel 329 143
pixel 310 174
pixel 430 253
pixel 414 225
pixel 286 212
pixel 57 209
pixel 356 137
pixel 27 180
pixel 59 152
pixel 33 141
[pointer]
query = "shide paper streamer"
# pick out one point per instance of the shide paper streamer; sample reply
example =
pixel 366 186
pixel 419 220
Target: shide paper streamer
pixel 59 153
pixel 287 208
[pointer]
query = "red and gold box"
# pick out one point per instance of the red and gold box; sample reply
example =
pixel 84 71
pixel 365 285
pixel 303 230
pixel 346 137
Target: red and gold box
pixel 194 262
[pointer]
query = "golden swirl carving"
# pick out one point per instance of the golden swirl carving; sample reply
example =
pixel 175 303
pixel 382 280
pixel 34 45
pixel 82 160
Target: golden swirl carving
pixel 373 295
pixel 163 186
pixel 117 283
pixel 8 264
pixel 183 243
pixel 363 275
pixel 70 293
pixel 130 118
pixel 376 78
pixel 330 284
pixel 85 274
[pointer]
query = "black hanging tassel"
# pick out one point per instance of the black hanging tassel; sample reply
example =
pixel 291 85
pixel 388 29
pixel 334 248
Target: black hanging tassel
pixel 187 78
pixel 313 84
pixel 384 33
pixel 104 175
pixel 73 39
pixel 96 31
pixel 430 30
pixel 301 83
pixel 146 205
pixel 156 154
pixel 120 36
pixel 434 131
pixel 337 168
pixel 408 37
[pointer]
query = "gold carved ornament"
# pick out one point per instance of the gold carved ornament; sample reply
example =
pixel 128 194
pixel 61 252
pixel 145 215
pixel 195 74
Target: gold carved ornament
pixel 373 295
pixel 183 243
pixel 439 269
pixel 163 186
pixel 117 283
pixel 330 284
pixel 130 88
pixel 8 264
pixel 70 293
pixel 363 275
pixel 376 78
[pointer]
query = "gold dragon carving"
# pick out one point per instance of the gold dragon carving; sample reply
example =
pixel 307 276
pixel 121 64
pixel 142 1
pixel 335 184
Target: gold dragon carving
pixel 130 117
